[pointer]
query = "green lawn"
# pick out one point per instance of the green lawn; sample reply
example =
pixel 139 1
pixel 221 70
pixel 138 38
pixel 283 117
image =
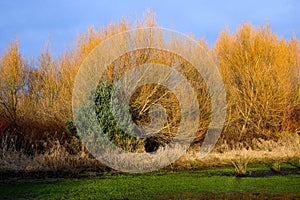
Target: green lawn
pixel 204 184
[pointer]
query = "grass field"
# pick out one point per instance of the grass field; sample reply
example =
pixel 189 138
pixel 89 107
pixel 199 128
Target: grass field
pixel 214 183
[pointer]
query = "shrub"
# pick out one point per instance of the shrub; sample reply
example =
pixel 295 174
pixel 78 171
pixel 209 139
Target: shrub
pixel 261 76
pixel 113 117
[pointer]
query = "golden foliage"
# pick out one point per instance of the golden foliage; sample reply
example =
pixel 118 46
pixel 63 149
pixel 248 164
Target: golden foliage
pixel 260 72
pixel 13 79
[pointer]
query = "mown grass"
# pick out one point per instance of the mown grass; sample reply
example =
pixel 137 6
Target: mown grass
pixel 202 184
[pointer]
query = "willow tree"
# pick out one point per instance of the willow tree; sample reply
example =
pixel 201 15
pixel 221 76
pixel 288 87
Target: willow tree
pixel 14 73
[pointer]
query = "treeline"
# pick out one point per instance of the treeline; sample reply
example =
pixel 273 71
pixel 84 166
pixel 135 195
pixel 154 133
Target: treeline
pixel 261 73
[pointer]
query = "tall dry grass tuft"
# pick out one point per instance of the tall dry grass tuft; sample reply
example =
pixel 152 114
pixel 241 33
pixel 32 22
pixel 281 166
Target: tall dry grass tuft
pixel 240 164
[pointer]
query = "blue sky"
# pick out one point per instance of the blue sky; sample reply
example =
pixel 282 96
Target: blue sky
pixel 34 21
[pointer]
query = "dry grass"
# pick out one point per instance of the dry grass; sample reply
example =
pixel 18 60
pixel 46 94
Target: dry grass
pixel 276 166
pixel 57 158
pixel 240 165
pixel 262 151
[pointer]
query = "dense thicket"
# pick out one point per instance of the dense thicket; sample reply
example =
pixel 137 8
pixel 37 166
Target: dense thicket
pixel 261 73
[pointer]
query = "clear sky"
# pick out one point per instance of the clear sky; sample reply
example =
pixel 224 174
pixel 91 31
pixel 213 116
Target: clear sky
pixel 36 21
